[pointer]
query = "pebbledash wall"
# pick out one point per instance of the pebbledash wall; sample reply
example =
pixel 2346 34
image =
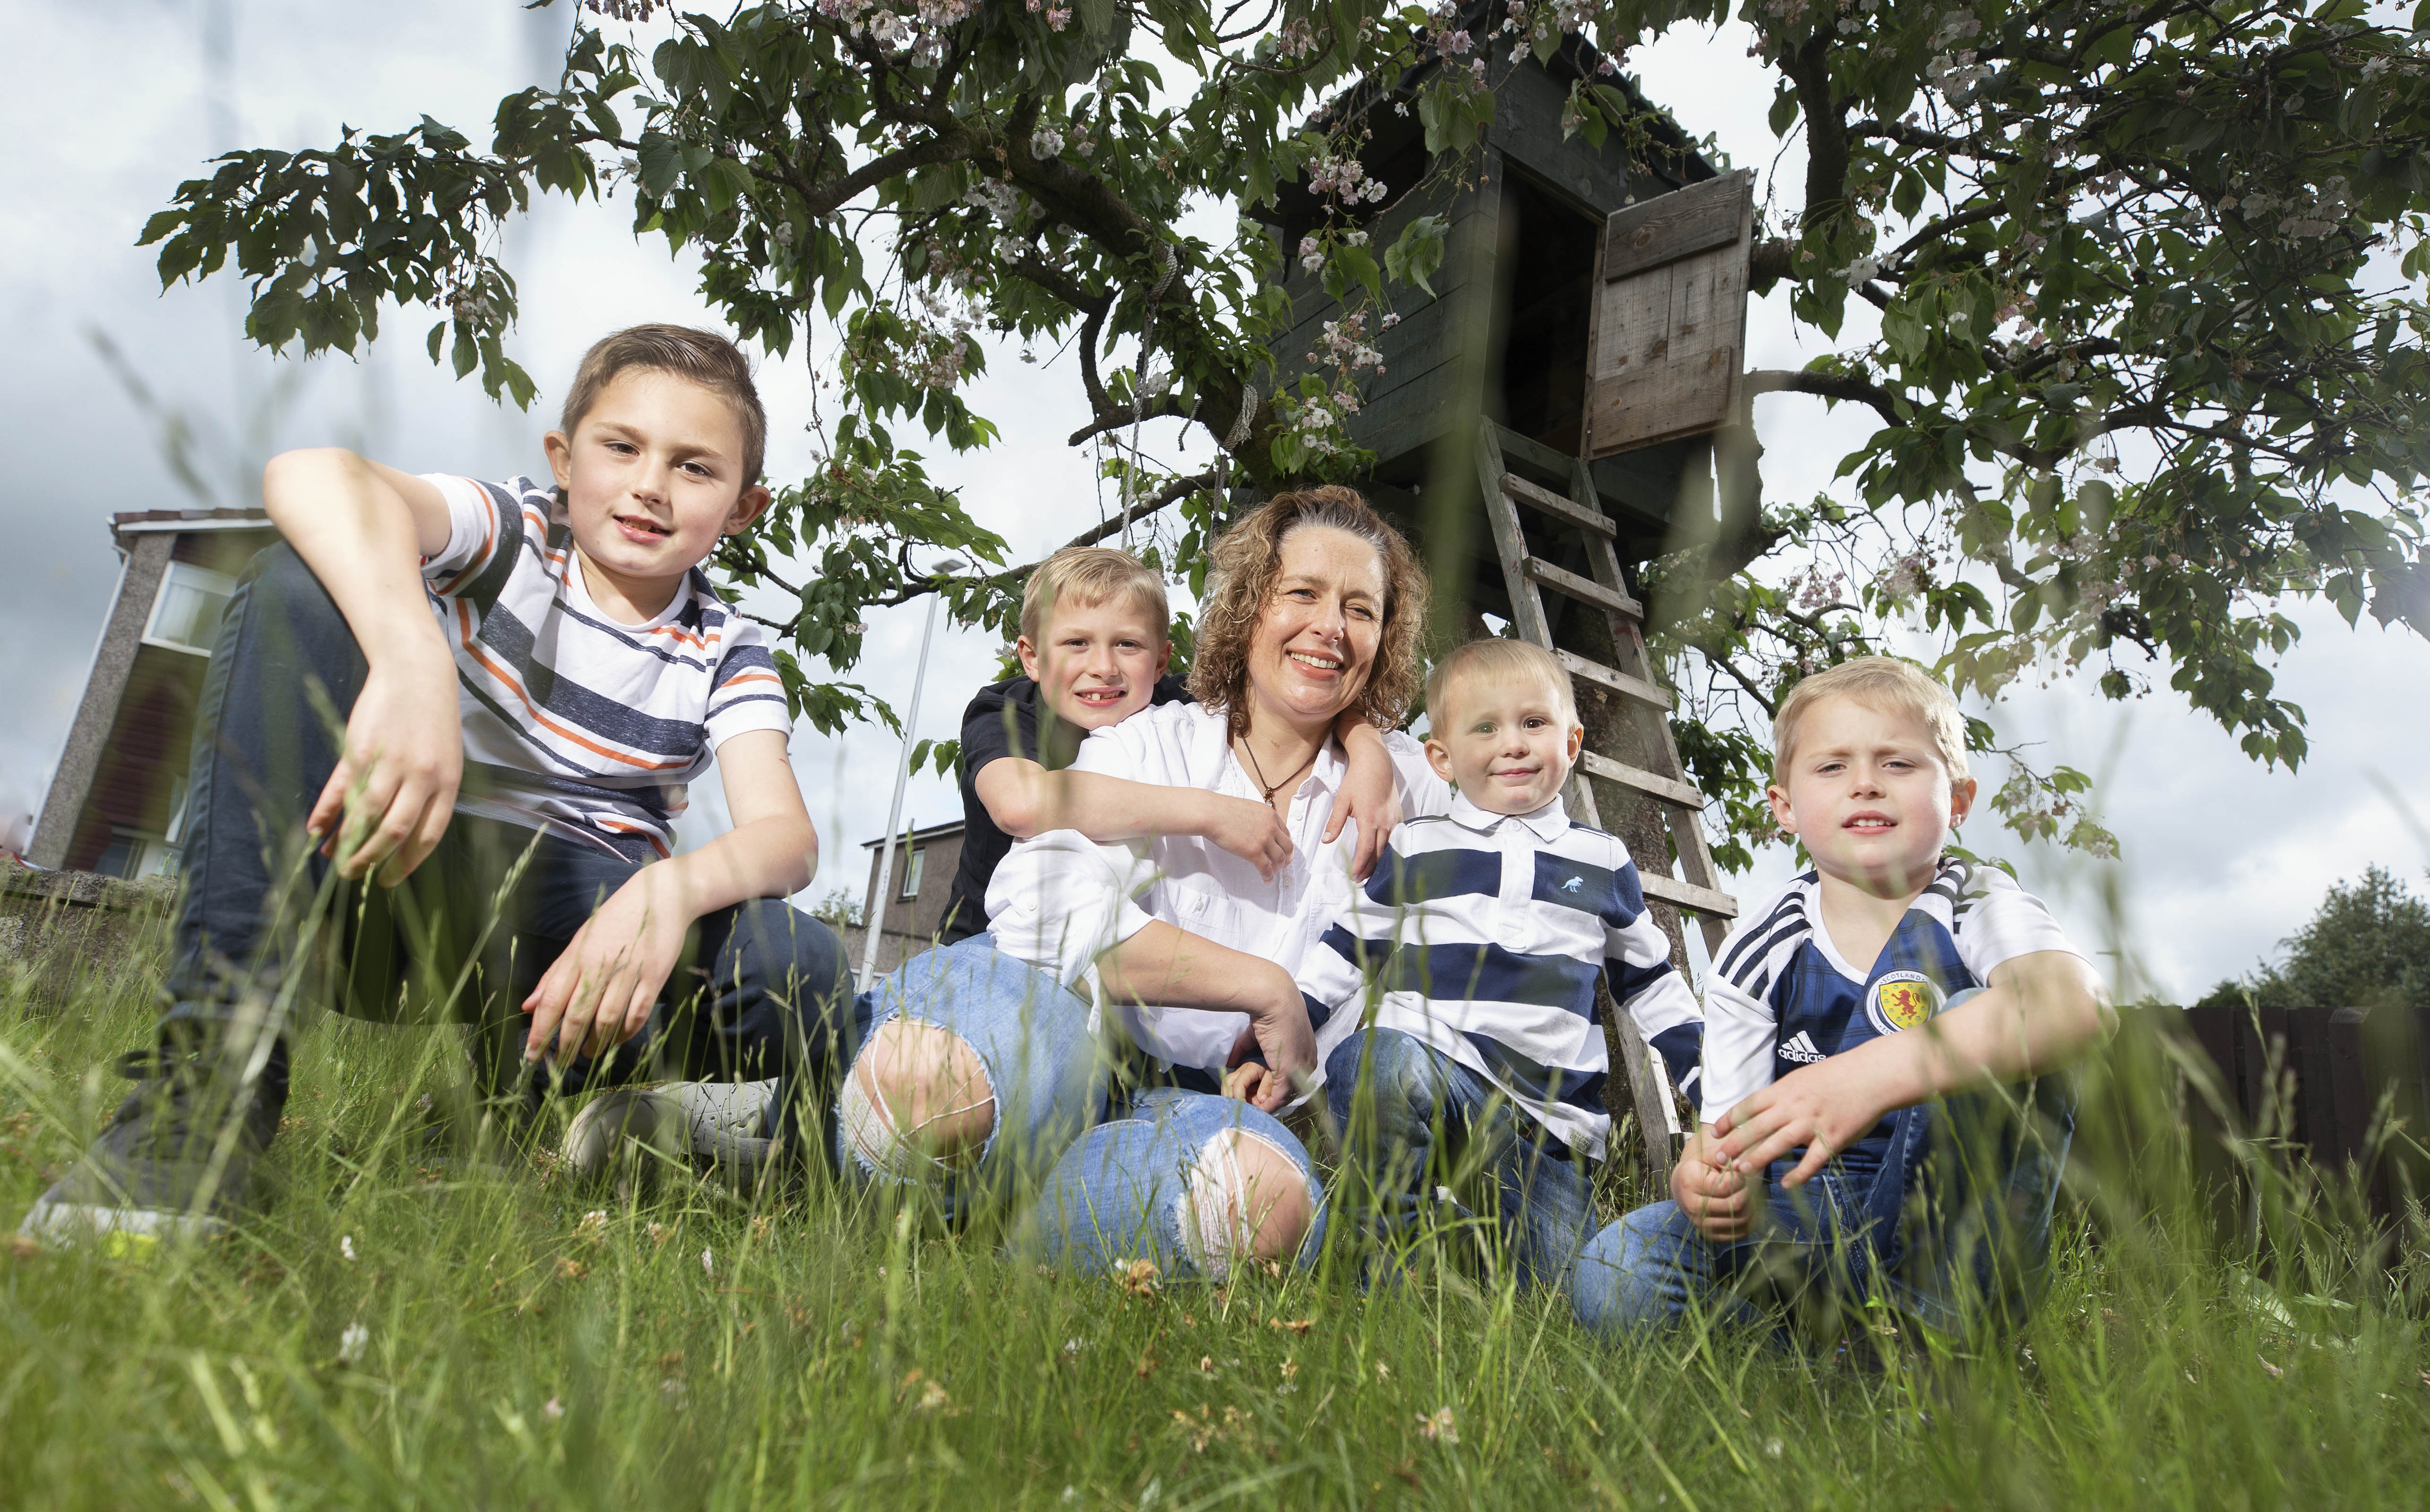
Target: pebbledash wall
pixel 76 920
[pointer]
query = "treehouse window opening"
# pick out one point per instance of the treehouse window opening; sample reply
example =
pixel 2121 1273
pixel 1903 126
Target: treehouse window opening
pixel 1547 264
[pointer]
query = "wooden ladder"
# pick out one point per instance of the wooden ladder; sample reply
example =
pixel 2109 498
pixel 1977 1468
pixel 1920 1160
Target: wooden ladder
pixel 1526 576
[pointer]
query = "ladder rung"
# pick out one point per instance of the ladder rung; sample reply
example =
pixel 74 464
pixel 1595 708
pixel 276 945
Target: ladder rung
pixel 1688 895
pixel 1545 501
pixel 1561 580
pixel 1651 784
pixel 1619 682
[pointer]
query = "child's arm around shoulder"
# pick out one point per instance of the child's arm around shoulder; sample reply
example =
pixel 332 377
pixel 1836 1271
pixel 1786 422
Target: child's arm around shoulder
pixel 1027 800
pixel 363 529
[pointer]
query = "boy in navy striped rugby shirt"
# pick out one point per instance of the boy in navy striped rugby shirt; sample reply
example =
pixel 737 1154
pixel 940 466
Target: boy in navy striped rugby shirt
pixel 1872 1036
pixel 529 674
pixel 1456 1008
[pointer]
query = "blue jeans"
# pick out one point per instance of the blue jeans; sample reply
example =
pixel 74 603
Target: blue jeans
pixel 1122 1193
pixel 468 936
pixel 1953 1231
pixel 1102 1190
pixel 1414 1119
pixel 1032 1039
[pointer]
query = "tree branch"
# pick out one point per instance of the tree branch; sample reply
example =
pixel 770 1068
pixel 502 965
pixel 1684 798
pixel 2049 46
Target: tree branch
pixel 1164 498
pixel 827 199
pixel 1770 708
pixel 1170 493
pixel 1829 386
pixel 1160 409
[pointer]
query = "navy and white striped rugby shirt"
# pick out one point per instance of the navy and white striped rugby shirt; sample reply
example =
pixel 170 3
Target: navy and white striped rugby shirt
pixel 574 722
pixel 1782 996
pixel 1482 935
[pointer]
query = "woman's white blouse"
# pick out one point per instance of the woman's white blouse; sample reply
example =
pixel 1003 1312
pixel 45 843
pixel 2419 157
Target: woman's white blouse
pixel 1060 900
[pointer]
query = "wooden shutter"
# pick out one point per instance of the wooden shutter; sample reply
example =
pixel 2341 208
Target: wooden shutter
pixel 1669 335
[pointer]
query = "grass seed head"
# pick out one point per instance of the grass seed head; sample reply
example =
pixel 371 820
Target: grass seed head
pixel 1141 1278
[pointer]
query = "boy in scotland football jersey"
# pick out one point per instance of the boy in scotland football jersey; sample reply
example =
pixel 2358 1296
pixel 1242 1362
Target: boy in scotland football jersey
pixel 1866 1032
pixel 527 675
pixel 1456 1005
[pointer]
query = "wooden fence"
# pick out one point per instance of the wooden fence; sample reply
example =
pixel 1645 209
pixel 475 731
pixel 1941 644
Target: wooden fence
pixel 2319 1079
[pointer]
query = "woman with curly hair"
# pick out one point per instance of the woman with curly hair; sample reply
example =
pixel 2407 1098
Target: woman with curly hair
pixel 992 1065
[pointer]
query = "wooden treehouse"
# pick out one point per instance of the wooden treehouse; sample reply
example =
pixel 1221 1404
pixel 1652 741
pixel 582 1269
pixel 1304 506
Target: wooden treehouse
pixel 1545 423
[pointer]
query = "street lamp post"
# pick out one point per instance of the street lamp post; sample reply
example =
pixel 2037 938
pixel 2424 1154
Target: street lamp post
pixel 877 923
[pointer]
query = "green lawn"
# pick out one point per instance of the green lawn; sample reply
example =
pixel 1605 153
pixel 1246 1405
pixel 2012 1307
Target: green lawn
pixel 387 1334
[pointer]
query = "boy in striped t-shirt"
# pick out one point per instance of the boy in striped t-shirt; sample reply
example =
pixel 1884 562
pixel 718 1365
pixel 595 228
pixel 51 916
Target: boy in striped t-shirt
pixel 1455 1007
pixel 1876 1131
pixel 528 676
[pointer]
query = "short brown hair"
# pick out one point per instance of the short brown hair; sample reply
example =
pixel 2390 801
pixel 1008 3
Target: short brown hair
pixel 1245 560
pixel 1877 682
pixel 1086 576
pixel 1500 660
pixel 704 357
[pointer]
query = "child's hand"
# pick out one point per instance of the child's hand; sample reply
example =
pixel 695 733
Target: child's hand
pixel 600 991
pixel 1283 1050
pixel 1825 1108
pixel 1717 1200
pixel 393 791
pixel 1250 830
pixel 1370 795
pixel 1243 1081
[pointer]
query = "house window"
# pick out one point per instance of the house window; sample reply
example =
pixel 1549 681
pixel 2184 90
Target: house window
pixel 186 612
pixel 911 873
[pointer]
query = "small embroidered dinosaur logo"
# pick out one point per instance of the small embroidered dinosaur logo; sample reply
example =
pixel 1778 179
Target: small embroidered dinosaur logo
pixel 1573 884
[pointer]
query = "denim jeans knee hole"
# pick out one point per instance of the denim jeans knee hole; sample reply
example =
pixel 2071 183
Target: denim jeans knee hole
pixel 887 1151
pixel 1213 1211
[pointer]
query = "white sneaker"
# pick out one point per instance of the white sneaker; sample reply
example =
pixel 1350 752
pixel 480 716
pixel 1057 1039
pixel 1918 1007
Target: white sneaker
pixel 715 1121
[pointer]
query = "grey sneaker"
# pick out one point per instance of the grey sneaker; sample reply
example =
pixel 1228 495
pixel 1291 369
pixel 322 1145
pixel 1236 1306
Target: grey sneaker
pixel 176 1160
pixel 718 1122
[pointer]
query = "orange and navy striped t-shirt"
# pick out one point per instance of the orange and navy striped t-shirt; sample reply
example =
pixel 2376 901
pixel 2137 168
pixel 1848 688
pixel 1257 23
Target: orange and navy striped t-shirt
pixel 574 723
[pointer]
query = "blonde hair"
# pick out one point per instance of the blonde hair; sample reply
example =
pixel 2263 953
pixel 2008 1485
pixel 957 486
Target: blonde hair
pixel 1500 660
pixel 700 357
pixel 1086 576
pixel 1879 683
pixel 1248 557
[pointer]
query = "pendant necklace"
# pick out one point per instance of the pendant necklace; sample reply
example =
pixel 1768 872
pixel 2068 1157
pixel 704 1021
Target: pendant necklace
pixel 1247 751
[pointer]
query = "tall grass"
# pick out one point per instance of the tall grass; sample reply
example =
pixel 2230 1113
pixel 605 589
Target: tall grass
pixel 394 1330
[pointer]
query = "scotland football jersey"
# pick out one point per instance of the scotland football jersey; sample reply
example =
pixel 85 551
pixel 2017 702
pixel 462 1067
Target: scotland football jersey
pixel 1782 997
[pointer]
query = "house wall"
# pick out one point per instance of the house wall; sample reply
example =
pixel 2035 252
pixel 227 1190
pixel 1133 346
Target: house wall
pixel 151 740
pixel 133 731
pixel 89 736
pixel 918 918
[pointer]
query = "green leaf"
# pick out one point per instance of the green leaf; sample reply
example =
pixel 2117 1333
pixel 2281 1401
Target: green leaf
pixel 1784 108
pixel 1417 252
pixel 661 162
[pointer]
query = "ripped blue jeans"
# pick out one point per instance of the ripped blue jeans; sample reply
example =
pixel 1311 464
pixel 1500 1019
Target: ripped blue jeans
pixel 1104 1181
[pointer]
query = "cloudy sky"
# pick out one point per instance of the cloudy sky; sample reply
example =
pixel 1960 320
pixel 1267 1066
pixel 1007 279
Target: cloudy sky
pixel 115 102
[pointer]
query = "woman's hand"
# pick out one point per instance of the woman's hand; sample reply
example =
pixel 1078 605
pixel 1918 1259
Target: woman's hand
pixel 1286 1041
pixel 393 791
pixel 1250 830
pixel 600 991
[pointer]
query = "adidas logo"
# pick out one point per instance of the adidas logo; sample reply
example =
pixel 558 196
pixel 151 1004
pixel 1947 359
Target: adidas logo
pixel 1801 1049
